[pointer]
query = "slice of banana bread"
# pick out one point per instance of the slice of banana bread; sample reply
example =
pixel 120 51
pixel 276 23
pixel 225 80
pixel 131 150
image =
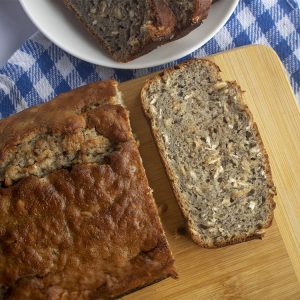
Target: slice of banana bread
pixel 126 28
pixel 77 216
pixel 212 152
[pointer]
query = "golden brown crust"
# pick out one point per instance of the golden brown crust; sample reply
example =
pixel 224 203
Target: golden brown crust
pixel 63 114
pixel 201 10
pixel 173 178
pixel 165 21
pixel 89 232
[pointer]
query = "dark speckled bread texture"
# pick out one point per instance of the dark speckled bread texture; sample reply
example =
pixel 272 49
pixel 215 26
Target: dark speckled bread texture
pixel 128 29
pixel 213 153
pixel 77 224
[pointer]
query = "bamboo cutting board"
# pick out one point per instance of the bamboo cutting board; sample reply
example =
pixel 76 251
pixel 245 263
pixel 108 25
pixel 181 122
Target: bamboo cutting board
pixel 262 269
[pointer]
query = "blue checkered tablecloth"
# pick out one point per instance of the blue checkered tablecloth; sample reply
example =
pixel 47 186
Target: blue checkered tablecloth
pixel 39 70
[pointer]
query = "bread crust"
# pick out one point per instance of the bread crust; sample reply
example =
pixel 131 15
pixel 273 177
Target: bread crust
pixel 165 21
pixel 201 10
pixel 174 182
pixel 87 232
pixel 63 114
pixel 200 13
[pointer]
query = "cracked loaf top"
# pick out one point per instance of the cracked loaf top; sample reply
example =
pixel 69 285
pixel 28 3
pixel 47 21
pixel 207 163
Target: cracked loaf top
pixel 77 217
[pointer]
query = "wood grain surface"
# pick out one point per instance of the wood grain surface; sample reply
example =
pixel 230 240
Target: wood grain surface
pixel 262 269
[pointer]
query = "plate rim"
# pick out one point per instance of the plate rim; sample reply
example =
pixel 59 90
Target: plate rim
pixel 131 65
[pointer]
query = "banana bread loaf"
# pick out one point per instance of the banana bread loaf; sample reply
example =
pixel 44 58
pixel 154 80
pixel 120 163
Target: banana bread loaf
pixel 77 216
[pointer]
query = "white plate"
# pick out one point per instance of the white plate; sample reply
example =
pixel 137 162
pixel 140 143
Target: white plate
pixel 60 26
